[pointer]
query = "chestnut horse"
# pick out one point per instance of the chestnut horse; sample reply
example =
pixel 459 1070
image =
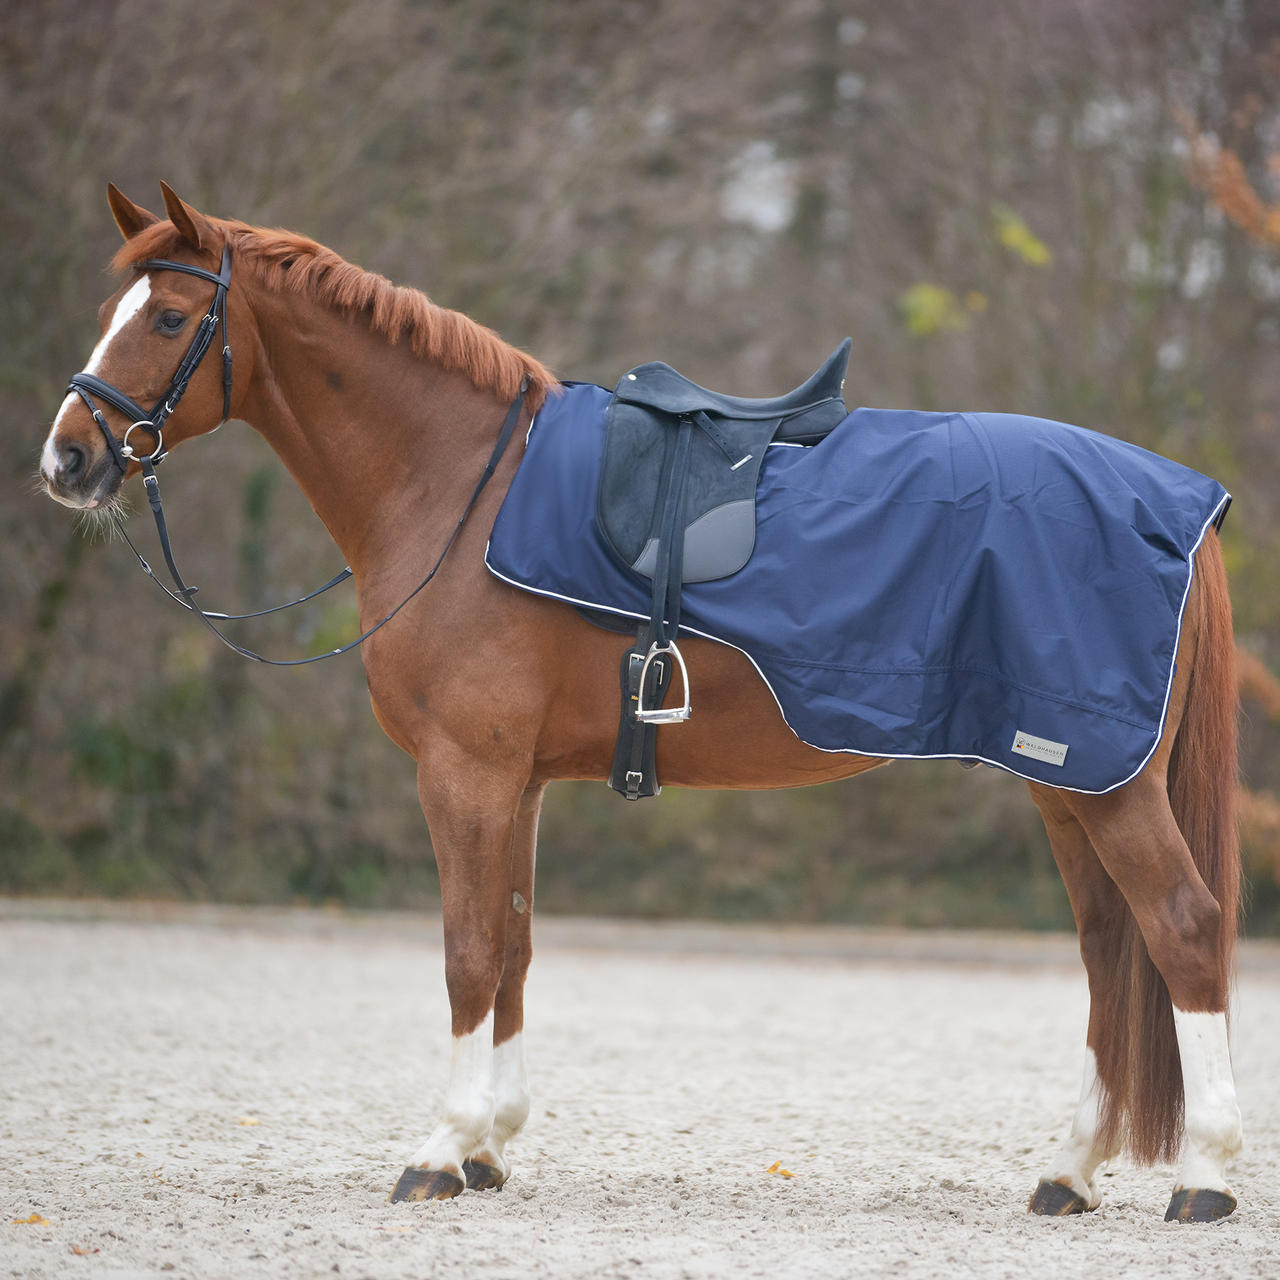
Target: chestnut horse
pixel 385 407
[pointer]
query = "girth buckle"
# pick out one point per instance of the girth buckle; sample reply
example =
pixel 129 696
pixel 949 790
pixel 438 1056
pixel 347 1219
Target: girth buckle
pixel 662 715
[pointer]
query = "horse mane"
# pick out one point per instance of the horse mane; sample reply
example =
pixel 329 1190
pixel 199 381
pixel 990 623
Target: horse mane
pixel 284 261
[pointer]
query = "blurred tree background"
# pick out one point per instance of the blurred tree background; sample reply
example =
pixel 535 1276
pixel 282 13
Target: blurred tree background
pixel 1025 205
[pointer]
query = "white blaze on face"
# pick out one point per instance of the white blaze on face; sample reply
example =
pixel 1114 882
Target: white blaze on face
pixel 1213 1116
pixel 126 309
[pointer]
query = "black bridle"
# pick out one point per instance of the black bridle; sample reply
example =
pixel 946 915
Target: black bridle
pixel 153 422
pixel 87 385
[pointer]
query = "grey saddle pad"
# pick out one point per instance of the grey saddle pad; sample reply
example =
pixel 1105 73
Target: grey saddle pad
pixel 723 471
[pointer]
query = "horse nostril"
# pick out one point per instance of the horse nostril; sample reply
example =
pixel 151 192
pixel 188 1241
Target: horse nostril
pixel 71 463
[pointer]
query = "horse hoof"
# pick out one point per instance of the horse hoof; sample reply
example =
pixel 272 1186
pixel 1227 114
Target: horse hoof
pixel 1056 1200
pixel 482 1177
pixel 1192 1205
pixel 426 1184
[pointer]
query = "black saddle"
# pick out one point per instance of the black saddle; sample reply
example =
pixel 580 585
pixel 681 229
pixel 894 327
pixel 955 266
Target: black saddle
pixel 676 503
pixel 721 469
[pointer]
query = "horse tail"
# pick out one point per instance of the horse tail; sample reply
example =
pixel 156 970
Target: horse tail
pixel 1144 1101
pixel 1205 764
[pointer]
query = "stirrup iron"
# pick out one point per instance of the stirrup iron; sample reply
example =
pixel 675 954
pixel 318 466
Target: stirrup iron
pixel 662 715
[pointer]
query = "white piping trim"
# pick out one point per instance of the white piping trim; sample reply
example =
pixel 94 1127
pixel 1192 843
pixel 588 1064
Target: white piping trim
pixel 885 755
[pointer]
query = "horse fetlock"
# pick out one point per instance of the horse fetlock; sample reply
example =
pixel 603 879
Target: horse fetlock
pixel 1216 1130
pixel 459 1132
pixel 1204 1161
pixel 510 1118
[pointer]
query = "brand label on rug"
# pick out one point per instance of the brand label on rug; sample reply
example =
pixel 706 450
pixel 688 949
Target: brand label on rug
pixel 1027 744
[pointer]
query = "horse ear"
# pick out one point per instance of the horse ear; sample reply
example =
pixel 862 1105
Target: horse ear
pixel 130 218
pixel 192 225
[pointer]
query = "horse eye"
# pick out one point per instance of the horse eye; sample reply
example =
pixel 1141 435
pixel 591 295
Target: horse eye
pixel 170 321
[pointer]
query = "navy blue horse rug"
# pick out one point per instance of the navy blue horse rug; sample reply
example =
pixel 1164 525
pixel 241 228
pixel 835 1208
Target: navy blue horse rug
pixel 976 585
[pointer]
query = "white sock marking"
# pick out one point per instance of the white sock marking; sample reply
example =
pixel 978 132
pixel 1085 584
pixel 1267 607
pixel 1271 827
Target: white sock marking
pixel 1213 1115
pixel 128 307
pixel 468 1103
pixel 511 1102
pixel 1081 1155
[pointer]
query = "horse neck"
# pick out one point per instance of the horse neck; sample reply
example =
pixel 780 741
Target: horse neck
pixel 385 445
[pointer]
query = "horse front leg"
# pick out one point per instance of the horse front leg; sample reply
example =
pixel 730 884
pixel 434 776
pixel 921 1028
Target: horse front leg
pixel 487 1166
pixel 472 818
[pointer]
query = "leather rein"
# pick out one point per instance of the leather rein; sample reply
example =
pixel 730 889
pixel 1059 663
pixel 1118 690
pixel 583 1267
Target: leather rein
pixel 87 385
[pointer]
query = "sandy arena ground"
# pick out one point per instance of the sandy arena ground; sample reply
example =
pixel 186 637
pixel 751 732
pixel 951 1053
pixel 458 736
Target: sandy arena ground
pixel 222 1093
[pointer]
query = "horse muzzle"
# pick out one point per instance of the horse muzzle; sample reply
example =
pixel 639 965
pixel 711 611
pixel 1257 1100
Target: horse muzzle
pixel 77 476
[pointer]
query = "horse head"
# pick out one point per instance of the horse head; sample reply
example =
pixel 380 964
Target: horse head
pixel 147 387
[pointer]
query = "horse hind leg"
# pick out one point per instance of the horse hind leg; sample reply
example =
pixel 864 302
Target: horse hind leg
pixel 1183 1019
pixel 1068 1185
pixel 1167 843
pixel 487 1165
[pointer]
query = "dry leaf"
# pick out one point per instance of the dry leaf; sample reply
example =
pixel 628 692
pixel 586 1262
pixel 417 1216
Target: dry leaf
pixel 75 1248
pixel 776 1167
pixel 246 1121
pixel 35 1220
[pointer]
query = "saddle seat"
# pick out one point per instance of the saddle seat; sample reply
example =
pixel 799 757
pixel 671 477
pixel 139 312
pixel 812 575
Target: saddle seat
pixel 662 387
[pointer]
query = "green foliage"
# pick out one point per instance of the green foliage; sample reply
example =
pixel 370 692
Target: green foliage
pixel 112 756
pixel 899 846
pixel 928 309
pixel 1012 232
pixel 339 624
pixel 32 860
